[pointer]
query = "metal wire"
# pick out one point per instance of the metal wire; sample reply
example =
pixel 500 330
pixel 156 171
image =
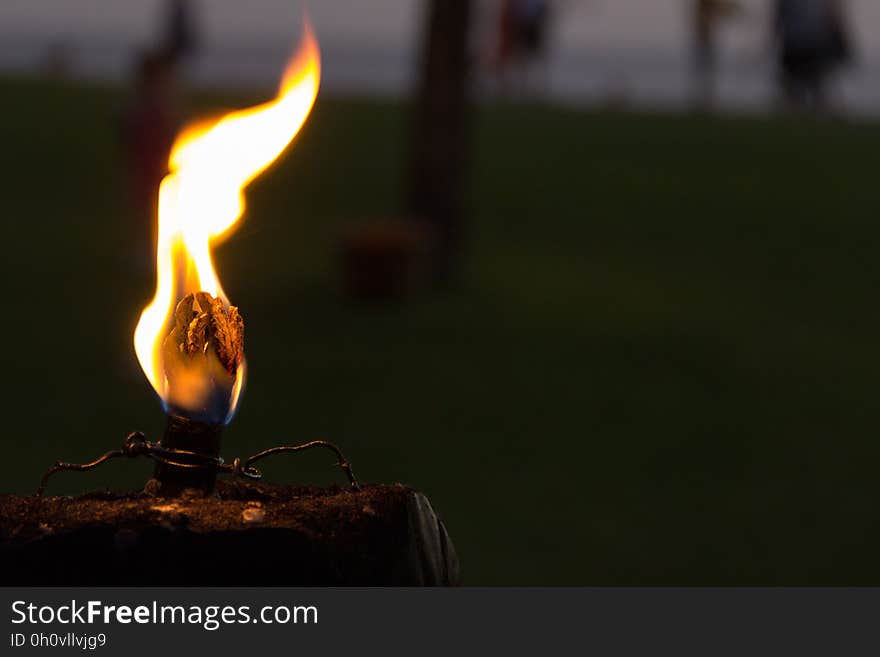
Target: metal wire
pixel 341 462
pixel 136 444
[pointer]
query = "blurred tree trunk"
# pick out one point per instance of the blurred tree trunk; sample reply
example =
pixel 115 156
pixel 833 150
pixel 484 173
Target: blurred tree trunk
pixel 440 136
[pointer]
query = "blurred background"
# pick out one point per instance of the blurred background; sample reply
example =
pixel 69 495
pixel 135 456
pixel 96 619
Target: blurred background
pixel 598 276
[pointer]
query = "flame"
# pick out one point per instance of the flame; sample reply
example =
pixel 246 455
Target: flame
pixel 201 200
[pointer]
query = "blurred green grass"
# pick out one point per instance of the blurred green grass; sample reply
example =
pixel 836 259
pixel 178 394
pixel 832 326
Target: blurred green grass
pixel 661 366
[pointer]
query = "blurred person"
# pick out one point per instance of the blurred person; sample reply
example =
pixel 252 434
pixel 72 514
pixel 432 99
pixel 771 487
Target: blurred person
pixel 523 27
pixel 532 17
pixel 149 126
pixel 507 42
pixel 707 16
pixel 180 37
pixel 812 42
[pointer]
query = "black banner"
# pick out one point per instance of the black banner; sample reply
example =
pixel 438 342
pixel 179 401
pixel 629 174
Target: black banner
pixel 440 621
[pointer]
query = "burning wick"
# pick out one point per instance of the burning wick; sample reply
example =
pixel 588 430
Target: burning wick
pixel 190 339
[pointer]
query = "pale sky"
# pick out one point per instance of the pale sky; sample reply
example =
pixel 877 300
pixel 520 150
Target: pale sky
pixel 221 19
pixel 600 23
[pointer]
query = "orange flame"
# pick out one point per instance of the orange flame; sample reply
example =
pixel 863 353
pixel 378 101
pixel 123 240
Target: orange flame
pixel 202 199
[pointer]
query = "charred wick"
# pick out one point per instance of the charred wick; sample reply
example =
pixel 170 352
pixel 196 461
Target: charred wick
pixel 201 354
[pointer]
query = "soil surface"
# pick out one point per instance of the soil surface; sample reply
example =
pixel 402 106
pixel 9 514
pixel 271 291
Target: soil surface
pixel 245 534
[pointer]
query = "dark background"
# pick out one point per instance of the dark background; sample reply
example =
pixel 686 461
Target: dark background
pixel 658 364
